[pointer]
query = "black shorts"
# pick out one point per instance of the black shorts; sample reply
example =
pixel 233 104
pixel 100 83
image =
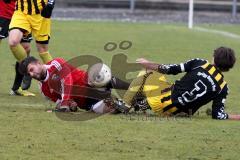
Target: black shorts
pixel 89 103
pixel 27 39
pixel 4 26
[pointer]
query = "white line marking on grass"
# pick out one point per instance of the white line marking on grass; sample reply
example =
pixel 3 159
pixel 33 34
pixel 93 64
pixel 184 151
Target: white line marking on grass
pixel 223 33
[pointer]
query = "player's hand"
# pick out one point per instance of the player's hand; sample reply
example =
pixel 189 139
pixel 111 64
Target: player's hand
pixel 47 10
pixel 67 106
pixel 142 61
pixel 63 109
pixel 147 64
pixel 7 1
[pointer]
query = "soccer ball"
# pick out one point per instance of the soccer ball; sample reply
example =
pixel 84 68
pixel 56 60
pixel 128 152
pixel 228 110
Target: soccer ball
pixel 99 75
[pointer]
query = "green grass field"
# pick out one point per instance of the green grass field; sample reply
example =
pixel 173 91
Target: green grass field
pixel 27 131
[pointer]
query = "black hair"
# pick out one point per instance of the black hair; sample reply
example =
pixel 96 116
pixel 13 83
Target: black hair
pixel 224 58
pixel 23 66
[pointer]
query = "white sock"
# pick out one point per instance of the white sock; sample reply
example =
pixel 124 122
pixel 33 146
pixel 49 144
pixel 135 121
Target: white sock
pixel 99 107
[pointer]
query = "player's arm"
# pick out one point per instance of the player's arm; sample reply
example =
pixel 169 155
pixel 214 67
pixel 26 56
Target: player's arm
pixel 219 113
pixel 47 10
pixel 172 68
pixel 63 71
pixel 67 104
pixel 230 116
pixel 218 107
pixel 234 116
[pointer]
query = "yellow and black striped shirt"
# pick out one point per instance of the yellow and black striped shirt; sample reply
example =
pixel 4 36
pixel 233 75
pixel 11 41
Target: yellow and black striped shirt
pixel 30 7
pixel 202 83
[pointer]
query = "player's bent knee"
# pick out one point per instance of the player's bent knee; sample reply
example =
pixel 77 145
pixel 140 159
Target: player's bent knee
pixel 13 42
pixel 15 37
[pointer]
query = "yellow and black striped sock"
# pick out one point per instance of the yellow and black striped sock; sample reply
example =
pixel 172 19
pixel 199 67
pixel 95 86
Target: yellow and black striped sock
pixel 19 52
pixel 46 57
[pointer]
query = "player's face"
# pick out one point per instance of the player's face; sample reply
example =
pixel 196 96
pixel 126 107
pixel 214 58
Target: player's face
pixel 36 71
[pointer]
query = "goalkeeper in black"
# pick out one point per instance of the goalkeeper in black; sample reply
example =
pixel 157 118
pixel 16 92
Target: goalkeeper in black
pixel 202 83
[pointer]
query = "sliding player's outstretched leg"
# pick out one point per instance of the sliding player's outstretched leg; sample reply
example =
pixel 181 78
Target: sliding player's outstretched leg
pixel 117 104
pixel 141 90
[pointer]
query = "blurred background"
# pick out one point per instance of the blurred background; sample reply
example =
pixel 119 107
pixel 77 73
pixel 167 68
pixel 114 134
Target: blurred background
pixel 158 30
pixel 160 11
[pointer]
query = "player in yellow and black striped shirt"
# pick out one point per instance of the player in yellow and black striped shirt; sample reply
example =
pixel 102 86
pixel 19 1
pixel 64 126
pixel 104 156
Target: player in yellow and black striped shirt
pixel 202 83
pixel 30 6
pixel 31 16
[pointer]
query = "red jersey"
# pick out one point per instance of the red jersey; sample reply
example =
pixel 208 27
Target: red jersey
pixel 7 9
pixel 64 82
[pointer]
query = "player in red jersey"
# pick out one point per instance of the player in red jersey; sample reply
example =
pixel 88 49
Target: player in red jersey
pixel 7 8
pixel 68 86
